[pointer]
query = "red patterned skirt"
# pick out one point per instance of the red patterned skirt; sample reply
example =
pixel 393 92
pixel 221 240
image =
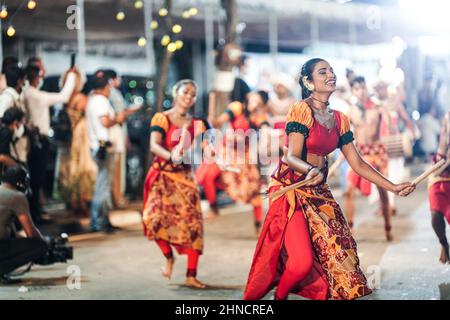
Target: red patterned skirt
pixel 336 273
pixel 172 210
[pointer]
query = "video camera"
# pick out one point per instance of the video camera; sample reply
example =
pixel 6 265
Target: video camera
pixel 58 251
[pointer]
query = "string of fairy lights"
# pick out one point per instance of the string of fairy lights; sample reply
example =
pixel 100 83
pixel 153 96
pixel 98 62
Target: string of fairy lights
pixel 5 16
pixel 170 39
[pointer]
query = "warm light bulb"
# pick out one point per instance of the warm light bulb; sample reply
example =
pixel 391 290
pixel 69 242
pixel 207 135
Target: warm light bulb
pixel 165 40
pixel 31 4
pixel 154 25
pixel 176 28
pixel 3 12
pixel 172 47
pixel 11 31
pixel 163 12
pixel 142 42
pixel 138 4
pixel 186 14
pixel 179 44
pixel 193 11
pixel 120 16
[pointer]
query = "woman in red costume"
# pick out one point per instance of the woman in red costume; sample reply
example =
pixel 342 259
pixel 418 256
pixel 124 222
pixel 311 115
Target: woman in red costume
pixel 172 213
pixel 439 191
pixel 305 246
pixel 242 186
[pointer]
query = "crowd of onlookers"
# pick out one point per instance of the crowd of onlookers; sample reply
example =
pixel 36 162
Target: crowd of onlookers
pixel 89 133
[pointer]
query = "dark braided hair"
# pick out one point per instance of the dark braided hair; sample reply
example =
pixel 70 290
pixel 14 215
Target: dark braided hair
pixel 307 70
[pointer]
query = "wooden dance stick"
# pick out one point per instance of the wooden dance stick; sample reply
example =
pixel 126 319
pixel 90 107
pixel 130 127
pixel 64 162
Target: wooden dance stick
pixel 429 171
pixel 336 165
pixel 294 186
pixel 442 169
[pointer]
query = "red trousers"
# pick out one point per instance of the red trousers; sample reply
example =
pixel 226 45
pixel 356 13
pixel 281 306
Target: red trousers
pixel 192 255
pixel 300 259
pixel 211 182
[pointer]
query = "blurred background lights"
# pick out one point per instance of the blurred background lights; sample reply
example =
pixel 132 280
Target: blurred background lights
pixel 31 4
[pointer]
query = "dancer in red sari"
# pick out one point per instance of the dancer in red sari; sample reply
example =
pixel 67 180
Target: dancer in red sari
pixel 439 191
pixel 244 185
pixel 305 246
pixel 172 213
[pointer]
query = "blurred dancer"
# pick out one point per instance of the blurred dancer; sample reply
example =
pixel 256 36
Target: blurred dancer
pixel 365 116
pixel 172 213
pixel 439 191
pixel 284 86
pixel 305 246
pixel 393 112
pixel 242 186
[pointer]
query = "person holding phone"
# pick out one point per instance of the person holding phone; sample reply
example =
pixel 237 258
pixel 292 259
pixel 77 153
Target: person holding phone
pixel 37 104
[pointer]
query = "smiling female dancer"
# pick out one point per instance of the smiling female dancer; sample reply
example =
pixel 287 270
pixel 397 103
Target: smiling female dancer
pixel 172 214
pixel 305 246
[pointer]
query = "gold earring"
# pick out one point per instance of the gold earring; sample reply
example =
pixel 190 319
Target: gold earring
pixel 308 86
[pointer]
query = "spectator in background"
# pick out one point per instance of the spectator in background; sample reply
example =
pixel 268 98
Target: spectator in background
pixel 118 135
pixel 38 103
pixel 12 123
pixel 16 251
pixel 8 61
pixel 12 97
pixel 430 128
pixel 37 62
pixel 241 88
pixel 100 118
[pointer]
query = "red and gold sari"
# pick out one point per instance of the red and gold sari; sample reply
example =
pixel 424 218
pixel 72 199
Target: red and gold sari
pixel 172 209
pixel 336 273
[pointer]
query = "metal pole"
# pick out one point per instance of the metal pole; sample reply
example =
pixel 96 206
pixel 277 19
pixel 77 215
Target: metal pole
pixel 149 48
pixel 1 41
pixel 314 29
pixel 81 35
pixel 209 42
pixel 273 36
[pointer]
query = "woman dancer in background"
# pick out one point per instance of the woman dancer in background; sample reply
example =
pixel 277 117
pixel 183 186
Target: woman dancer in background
pixel 172 213
pixel 242 185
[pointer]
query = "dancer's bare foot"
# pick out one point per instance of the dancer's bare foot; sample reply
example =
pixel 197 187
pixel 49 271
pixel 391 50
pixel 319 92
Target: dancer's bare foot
pixel 445 257
pixel 388 232
pixel 167 272
pixel 394 211
pixel 257 228
pixel 194 283
pixel 212 214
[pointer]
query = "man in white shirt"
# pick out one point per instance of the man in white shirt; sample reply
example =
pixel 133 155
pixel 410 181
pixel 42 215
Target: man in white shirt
pixel 100 117
pixel 11 97
pixel 118 136
pixel 38 103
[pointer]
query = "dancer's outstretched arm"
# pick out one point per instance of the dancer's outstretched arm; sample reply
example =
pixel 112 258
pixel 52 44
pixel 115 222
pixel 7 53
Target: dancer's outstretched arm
pixel 365 170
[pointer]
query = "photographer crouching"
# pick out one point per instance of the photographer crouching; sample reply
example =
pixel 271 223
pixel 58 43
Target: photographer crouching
pixel 16 252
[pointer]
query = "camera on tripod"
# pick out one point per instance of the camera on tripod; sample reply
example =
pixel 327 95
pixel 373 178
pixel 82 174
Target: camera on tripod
pixel 58 251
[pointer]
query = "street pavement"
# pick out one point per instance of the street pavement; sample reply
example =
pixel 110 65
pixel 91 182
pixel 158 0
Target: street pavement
pixel 127 266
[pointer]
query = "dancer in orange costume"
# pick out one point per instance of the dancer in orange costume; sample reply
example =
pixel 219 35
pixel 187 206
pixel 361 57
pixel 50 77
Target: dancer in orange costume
pixel 305 246
pixel 172 213
pixel 242 186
